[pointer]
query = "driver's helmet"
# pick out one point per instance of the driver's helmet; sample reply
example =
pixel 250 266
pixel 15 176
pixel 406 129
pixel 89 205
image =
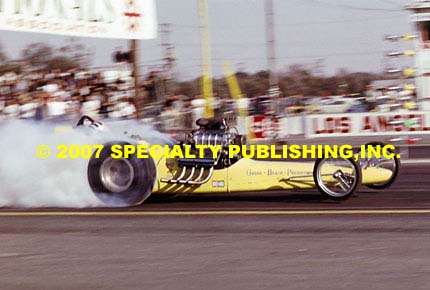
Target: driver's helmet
pixel 98 126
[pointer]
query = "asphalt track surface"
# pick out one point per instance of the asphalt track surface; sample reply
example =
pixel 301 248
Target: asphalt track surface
pixel 376 240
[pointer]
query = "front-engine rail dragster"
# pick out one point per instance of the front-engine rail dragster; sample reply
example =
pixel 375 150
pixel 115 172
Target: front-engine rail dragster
pixel 129 181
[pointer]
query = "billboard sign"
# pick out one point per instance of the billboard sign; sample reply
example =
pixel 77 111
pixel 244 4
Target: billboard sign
pixel 126 19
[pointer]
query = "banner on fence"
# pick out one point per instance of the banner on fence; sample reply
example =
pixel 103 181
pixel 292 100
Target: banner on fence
pixel 367 124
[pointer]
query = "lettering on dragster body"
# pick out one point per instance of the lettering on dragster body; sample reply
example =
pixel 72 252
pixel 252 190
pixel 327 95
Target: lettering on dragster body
pixel 252 172
pixel 277 172
pixel 274 172
pixel 291 172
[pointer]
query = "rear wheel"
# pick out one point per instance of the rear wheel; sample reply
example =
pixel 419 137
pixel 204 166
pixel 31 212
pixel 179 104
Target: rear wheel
pixel 123 181
pixel 337 178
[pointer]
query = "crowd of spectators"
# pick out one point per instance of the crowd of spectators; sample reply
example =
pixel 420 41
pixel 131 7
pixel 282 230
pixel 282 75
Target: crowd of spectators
pixel 53 95
pixel 56 95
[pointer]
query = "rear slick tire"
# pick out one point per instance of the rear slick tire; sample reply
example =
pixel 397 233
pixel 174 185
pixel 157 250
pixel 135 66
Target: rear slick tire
pixel 121 182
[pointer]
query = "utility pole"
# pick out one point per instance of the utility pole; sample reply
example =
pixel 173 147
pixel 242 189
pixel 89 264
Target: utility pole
pixel 319 67
pixel 271 49
pixel 135 73
pixel 169 54
pixel 207 88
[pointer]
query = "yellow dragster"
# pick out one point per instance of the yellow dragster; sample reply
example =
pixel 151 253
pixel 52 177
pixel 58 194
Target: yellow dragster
pixel 129 181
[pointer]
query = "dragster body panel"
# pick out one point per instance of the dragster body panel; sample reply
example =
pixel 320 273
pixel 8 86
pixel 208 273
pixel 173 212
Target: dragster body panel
pixel 255 175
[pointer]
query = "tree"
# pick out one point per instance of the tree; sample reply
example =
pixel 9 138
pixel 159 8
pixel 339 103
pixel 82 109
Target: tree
pixel 37 54
pixel 41 56
pixel 75 51
pixel 3 57
pixel 5 66
pixel 297 80
pixel 61 63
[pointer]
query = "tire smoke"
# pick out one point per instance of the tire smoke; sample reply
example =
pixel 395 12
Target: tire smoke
pixel 27 181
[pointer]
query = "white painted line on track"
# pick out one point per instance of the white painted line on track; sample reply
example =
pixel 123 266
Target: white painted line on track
pixel 209 213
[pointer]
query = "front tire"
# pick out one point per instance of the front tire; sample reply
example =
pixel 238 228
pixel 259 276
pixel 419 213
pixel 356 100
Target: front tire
pixel 392 164
pixel 121 182
pixel 337 178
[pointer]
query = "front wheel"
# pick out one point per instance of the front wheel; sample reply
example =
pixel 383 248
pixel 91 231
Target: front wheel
pixel 392 164
pixel 121 182
pixel 337 178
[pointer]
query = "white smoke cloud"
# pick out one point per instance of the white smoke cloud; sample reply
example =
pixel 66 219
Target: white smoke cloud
pixel 27 181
